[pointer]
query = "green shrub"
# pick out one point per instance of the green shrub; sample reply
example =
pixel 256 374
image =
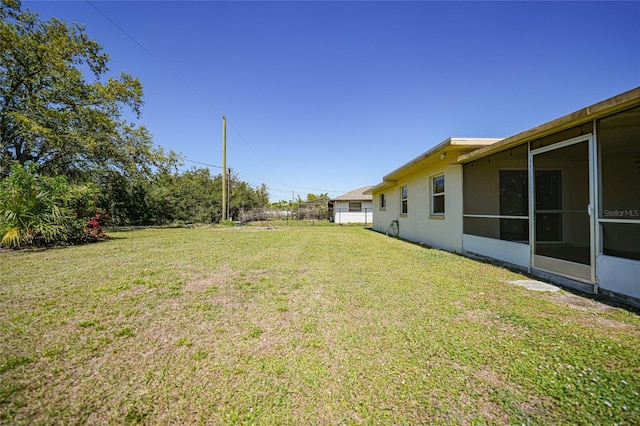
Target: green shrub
pixel 35 210
pixel 82 230
pixel 32 208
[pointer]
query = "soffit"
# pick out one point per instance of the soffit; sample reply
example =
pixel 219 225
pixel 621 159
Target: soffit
pixel 441 155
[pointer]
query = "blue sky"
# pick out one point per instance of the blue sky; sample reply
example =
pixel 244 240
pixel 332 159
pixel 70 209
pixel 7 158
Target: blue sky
pixel 330 96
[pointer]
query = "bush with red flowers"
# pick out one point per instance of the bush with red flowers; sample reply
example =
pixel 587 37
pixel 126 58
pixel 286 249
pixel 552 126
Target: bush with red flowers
pixel 89 230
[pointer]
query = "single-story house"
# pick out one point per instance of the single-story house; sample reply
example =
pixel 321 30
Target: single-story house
pixel 560 200
pixel 353 207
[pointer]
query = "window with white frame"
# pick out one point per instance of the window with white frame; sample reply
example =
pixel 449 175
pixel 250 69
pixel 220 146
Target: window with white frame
pixel 437 195
pixel 355 206
pixel 383 201
pixel 404 207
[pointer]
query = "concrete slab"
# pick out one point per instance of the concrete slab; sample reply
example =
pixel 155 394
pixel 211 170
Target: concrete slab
pixel 535 285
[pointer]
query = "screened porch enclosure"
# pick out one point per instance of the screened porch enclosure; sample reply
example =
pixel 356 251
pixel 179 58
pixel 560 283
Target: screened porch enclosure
pixel 496 196
pixel 619 207
pixel 545 207
pixel 567 203
pixel 562 200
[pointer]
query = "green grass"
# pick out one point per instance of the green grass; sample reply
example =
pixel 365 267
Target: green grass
pixel 300 325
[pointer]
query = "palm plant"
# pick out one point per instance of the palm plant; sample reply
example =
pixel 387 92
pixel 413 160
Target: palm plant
pixel 31 208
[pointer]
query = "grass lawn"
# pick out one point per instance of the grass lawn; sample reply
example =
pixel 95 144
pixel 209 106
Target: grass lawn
pixel 300 325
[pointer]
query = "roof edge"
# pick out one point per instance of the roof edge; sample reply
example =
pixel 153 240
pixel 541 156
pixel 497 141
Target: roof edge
pixel 451 141
pixel 602 108
pixel 381 186
pixel 354 195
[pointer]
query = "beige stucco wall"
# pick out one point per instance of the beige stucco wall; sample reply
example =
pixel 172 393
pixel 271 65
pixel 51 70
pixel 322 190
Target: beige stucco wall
pixel 418 225
pixel 383 217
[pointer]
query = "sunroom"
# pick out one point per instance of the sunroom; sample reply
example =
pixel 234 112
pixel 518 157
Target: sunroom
pixel 562 199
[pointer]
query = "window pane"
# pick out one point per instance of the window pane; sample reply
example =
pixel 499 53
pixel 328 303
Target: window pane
pixel 516 230
pixel 514 193
pixel 438 204
pixel 621 240
pixel 484 186
pixel 618 138
pixel 438 185
pixel 355 207
pixel 403 206
pixel 498 185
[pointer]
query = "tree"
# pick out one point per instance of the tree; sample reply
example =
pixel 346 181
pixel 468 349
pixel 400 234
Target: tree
pixel 196 196
pixel 313 197
pixel 51 115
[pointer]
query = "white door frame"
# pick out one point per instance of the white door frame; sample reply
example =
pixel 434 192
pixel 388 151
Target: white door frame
pixel 558 266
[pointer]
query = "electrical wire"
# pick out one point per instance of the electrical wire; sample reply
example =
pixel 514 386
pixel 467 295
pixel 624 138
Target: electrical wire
pixel 184 81
pixel 201 163
pixel 155 58
pixel 272 187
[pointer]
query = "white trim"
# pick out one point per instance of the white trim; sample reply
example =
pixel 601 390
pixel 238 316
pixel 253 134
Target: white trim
pixel 559 266
pixel 592 208
pixel 619 275
pixel 402 188
pixel 433 194
pixel 506 251
pixel 495 216
pixel 573 270
pixel 631 221
pixel 563 144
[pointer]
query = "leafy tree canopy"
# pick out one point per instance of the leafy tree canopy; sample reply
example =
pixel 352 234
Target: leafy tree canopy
pixel 313 197
pixel 56 111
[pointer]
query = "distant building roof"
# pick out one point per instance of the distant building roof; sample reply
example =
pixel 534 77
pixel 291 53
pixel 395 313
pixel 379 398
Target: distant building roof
pixel 355 195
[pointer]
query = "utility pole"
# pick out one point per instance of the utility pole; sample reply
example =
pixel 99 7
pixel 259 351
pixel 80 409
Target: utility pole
pixel 224 168
pixel 229 193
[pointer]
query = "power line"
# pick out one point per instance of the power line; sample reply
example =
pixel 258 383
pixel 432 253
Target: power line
pixel 204 164
pixel 110 138
pixel 253 150
pixel 148 52
pixel 321 190
pixel 296 186
pixel 204 98
pixel 267 180
pixel 184 81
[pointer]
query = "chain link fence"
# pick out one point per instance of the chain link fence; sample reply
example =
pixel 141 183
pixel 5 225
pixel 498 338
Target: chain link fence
pixel 266 214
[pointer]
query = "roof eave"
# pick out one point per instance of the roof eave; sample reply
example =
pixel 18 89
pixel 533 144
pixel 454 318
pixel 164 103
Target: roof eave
pixel 381 186
pixel 450 144
pixel 355 195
